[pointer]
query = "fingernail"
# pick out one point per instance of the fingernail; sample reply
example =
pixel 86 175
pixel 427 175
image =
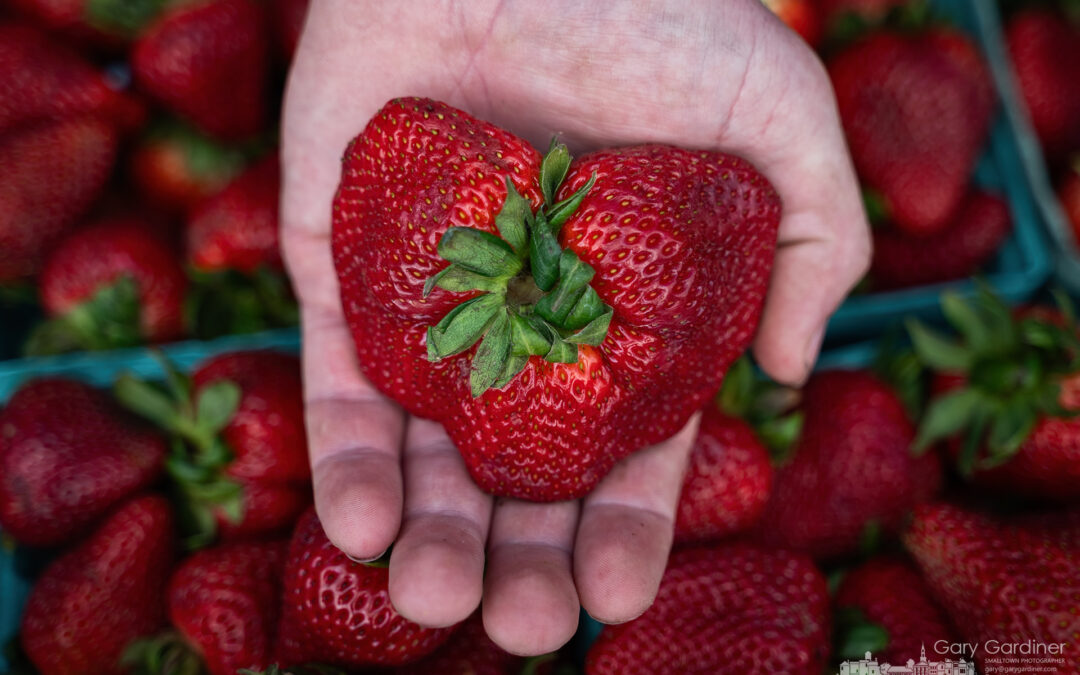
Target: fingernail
pixel 813 346
pixel 365 560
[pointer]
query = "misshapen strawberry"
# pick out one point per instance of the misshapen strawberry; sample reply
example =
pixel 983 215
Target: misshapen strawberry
pixel 67 455
pixel 338 612
pixel 208 62
pixel 53 172
pixel 96 599
pixel 851 471
pixel 999 583
pixel 729 610
pixel 915 110
pixel 608 317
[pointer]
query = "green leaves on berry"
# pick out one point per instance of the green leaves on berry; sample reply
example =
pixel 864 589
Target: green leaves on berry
pixel 108 319
pixel 536 298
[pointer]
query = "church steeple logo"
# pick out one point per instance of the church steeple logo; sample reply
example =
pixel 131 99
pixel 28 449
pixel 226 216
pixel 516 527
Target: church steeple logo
pixel 871 666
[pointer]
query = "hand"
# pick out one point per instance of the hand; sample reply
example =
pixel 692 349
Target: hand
pixel 705 74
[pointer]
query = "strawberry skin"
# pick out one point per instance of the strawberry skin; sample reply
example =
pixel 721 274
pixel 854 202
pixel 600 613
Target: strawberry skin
pixel 955 252
pixel 288 20
pixel 225 601
pixel 53 172
pixel 238 228
pixel 851 469
pixel 338 612
pixel 727 483
pixel 208 62
pixel 94 600
pixel 67 455
pixel 469 651
pixel 800 16
pixel 102 253
pixel 729 610
pixel 658 230
pixel 890 593
pixel 915 111
pixel 998 583
pixel 1045 51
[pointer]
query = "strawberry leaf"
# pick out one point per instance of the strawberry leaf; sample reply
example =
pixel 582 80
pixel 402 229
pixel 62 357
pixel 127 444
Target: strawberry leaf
pixel 587 309
pixel 215 405
pixel 938 351
pixel 462 326
pixel 594 332
pixel 562 211
pixel 856 635
pixel 544 254
pixel 947 416
pixel 146 400
pixel 458 279
pixel 489 362
pixel 526 339
pixel 574 277
pixel 479 251
pixel 512 220
pixel 553 170
pixel 561 352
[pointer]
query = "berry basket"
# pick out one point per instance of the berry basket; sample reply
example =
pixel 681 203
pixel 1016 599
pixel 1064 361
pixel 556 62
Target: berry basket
pixel 1024 262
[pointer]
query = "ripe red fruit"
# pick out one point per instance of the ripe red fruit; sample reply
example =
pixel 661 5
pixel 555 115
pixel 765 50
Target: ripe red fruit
pixel 996 582
pixel 729 610
pixel 955 252
pixel 68 454
pixel 727 483
pixel 115 283
pixel 237 229
pixel 208 62
pixel 176 167
pixel 469 651
pixel 338 612
pixel 889 593
pixel 42 78
pixel 226 602
pixel 568 380
pixel 915 110
pixel 93 601
pixel 241 463
pixel 851 473
pixel 53 172
pixel 288 21
pixel 1045 51
pixel 800 16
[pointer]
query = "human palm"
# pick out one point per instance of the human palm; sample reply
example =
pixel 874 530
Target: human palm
pixel 703 74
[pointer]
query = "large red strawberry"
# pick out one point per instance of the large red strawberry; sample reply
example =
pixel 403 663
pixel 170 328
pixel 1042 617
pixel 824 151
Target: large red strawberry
pixel 607 296
pixel 53 172
pixel 851 473
pixel 176 167
pixel 68 454
pixel 242 463
pixel 469 651
pixel 915 109
pixel 887 597
pixel 999 583
pixel 226 602
pixel 1005 396
pixel 1045 51
pixel 338 612
pixel 42 78
pixel 729 610
pixel 92 602
pixel 957 251
pixel 208 62
pixel 115 283
pixel 107 23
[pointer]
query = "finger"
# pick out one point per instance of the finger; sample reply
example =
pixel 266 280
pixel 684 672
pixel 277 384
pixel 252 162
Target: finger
pixel 437 566
pixel 626 530
pixel 530 604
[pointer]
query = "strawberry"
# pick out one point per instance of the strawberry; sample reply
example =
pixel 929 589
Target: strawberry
pixel 68 454
pixel 176 167
pixel 621 362
pixel 288 21
pixel 338 612
pixel 1045 51
pixel 834 14
pixel 103 22
pixel 729 477
pixel 469 651
pixel 999 583
pixel 887 597
pixel 112 284
pixel 240 462
pixel 915 109
pixel 93 601
pixel 851 474
pixel 957 251
pixel 53 172
pixel 732 610
pixel 225 602
pixel 42 78
pixel 800 16
pixel 208 62
pixel 1069 194
pixel 1005 396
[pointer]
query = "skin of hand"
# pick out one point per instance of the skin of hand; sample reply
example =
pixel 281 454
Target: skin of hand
pixel 694 73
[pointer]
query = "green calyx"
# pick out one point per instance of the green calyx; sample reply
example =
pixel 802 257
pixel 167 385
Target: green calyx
pixel 771 409
pixel 122 17
pixel 854 634
pixel 537 300
pixel 1012 367
pixel 196 465
pixel 231 302
pixel 164 653
pixel 108 319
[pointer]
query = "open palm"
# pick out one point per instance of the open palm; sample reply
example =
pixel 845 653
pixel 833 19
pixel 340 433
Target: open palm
pixel 703 74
